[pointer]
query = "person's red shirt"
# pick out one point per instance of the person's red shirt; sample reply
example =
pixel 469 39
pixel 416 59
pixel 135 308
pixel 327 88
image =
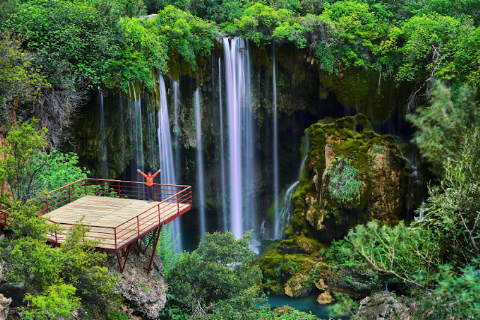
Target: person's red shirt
pixel 149 179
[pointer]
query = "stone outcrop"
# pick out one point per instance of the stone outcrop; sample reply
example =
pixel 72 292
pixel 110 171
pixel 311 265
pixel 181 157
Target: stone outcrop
pixel 325 298
pixel 351 175
pixel 144 294
pixel 382 306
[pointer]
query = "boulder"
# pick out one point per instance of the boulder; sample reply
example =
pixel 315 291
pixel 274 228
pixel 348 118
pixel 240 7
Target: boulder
pixel 325 298
pixel 320 284
pixel 345 152
pixel 144 294
pixel 299 286
pixel 382 306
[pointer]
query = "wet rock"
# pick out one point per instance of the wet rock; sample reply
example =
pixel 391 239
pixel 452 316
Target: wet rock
pixel 145 294
pixel 381 306
pixel 325 298
pixel 299 286
pixel 320 284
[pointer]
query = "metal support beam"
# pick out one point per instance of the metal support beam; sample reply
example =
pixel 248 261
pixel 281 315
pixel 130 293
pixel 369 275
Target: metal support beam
pixel 124 254
pixel 139 243
pixel 154 248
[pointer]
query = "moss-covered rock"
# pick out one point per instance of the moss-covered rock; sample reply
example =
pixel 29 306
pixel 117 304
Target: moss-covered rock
pixel 291 267
pixel 325 298
pixel 351 175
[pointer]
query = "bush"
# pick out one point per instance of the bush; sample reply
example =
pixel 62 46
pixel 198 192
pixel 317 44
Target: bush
pixel 343 184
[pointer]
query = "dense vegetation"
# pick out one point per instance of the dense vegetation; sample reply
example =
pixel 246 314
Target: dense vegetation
pixel 53 52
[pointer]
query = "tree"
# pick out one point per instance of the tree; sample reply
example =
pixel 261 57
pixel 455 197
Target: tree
pixel 28 169
pixel 216 280
pixel 67 273
pixel 22 145
pixel 441 126
pixel 453 207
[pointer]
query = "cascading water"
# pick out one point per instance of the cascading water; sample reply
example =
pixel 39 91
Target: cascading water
pixel 167 175
pixel 222 151
pixel 137 133
pixel 240 135
pixel 287 211
pixel 277 232
pixel 103 149
pixel 199 163
pixel 176 130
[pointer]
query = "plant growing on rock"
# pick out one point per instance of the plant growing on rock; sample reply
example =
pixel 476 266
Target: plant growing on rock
pixel 343 185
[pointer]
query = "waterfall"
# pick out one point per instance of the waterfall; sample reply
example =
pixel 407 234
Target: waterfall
pixel 176 130
pixel 137 134
pixel 103 140
pixel 222 150
pixel 167 175
pixel 277 231
pixel 199 163
pixel 240 135
pixel 286 213
pixel 306 147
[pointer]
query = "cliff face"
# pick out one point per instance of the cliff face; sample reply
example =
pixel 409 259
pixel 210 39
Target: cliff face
pixel 351 175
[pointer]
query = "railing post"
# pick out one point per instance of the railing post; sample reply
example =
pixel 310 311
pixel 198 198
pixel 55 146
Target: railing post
pixel 178 206
pixel 118 189
pixel 85 186
pixel 47 206
pixel 69 195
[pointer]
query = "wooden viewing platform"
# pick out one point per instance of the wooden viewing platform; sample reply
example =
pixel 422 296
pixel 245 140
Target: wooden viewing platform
pixel 114 210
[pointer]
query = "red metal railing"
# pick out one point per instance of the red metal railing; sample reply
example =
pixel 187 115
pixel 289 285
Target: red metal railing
pixel 174 201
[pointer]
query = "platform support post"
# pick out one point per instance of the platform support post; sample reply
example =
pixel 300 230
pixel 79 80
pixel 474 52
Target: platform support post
pixel 154 248
pixel 126 258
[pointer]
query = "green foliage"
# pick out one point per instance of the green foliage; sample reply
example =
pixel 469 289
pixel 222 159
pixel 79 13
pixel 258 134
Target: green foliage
pixel 55 277
pixel 28 170
pixel 216 281
pixel 22 145
pixel 345 306
pixel 58 301
pixel 343 184
pixel 167 249
pixel 410 254
pixel 441 126
pixel 116 315
pixel 20 80
pixel 57 170
pixel 188 35
pixel 455 297
pixel 453 209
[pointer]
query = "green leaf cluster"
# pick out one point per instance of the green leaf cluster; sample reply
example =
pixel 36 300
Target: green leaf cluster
pixel 216 281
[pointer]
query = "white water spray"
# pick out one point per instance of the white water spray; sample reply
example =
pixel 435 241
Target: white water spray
pixel 199 163
pixel 167 175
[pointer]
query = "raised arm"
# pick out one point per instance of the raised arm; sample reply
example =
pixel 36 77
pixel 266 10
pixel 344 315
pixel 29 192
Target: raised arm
pixel 143 174
pixel 156 173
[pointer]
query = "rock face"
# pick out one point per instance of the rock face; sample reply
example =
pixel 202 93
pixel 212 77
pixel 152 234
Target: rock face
pixel 4 304
pixel 382 306
pixel 144 294
pixel 351 175
pixel 325 298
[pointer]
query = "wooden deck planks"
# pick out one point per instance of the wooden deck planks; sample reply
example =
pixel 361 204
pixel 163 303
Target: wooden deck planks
pixel 103 214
